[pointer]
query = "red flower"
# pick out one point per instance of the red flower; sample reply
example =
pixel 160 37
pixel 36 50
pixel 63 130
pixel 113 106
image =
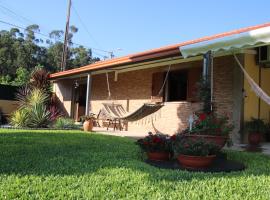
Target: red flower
pixel 145 143
pixel 173 137
pixel 157 140
pixel 202 116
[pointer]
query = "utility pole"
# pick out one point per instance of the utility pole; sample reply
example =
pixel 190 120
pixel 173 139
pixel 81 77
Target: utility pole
pixel 65 46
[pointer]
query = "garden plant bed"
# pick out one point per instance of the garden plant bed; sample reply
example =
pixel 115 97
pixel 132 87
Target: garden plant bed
pixel 220 164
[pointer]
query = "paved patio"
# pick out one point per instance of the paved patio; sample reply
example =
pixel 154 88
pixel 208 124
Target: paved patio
pixel 130 134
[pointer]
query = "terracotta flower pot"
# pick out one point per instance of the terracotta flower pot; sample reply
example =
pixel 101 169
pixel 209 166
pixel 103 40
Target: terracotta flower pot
pixel 216 139
pixel 195 162
pixel 158 156
pixel 88 125
pixel 254 138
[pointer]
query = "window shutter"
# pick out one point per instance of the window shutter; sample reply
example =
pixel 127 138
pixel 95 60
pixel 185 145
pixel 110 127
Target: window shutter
pixel 157 81
pixel 194 75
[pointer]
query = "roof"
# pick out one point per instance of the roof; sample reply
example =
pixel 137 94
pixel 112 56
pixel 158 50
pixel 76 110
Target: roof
pixel 166 51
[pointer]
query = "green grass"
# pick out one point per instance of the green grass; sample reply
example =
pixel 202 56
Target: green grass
pixel 77 165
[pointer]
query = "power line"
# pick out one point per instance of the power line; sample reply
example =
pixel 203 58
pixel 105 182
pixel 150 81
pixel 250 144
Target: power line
pixel 85 27
pixel 45 35
pixel 16 14
pixel 83 24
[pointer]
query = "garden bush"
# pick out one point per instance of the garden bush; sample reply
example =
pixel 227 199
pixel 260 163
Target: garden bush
pixel 65 123
pixel 33 111
pixel 36 107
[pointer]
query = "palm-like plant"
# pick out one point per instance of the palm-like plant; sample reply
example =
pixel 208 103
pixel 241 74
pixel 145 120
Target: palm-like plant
pixel 20 118
pixel 36 109
pixel 22 94
pixel 39 115
pixel 39 79
pixel 37 96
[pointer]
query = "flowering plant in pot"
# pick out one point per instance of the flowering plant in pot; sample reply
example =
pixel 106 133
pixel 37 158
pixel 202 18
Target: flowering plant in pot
pixel 157 146
pixel 194 154
pixel 212 127
pixel 255 127
pixel 88 121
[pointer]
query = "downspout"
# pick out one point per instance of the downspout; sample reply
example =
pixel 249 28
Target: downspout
pixel 208 72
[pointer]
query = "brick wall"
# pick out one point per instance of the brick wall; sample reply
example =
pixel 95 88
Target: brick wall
pixel 223 85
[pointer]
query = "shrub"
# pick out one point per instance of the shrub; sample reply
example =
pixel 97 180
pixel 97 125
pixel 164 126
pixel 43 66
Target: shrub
pixel 39 116
pixel 39 79
pixel 155 143
pixel 33 111
pixel 191 147
pixel 65 123
pixel 19 118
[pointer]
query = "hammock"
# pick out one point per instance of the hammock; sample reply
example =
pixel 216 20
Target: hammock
pixel 254 86
pixel 116 111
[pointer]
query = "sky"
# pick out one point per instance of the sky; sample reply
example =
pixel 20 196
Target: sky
pixel 135 25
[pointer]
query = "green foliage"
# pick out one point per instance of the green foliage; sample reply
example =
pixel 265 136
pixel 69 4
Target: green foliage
pixel 35 97
pixel 39 116
pixel 77 165
pixel 192 147
pixel 256 125
pixel 20 118
pixel 33 110
pixel 65 123
pixel 5 80
pixel 204 94
pixel 22 77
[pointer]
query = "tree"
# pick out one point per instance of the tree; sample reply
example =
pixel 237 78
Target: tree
pixel 21 52
pixel 22 77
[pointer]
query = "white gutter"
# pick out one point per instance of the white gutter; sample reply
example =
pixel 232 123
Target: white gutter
pixel 237 41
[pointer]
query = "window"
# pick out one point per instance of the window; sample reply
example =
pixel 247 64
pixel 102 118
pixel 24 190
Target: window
pixel 180 86
pixel 177 86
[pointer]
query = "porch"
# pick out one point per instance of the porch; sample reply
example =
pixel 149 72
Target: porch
pixel 132 87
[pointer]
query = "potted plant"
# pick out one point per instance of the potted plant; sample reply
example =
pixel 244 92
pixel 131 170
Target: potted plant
pixel 156 146
pixel 195 154
pixel 88 122
pixel 208 125
pixel 211 127
pixel 255 127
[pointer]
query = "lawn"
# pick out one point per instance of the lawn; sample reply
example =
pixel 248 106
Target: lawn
pixel 77 165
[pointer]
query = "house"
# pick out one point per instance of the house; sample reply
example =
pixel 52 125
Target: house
pixel 138 78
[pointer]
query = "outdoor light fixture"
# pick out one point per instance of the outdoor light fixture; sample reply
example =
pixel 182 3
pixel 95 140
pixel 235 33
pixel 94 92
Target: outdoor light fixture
pixel 76 84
